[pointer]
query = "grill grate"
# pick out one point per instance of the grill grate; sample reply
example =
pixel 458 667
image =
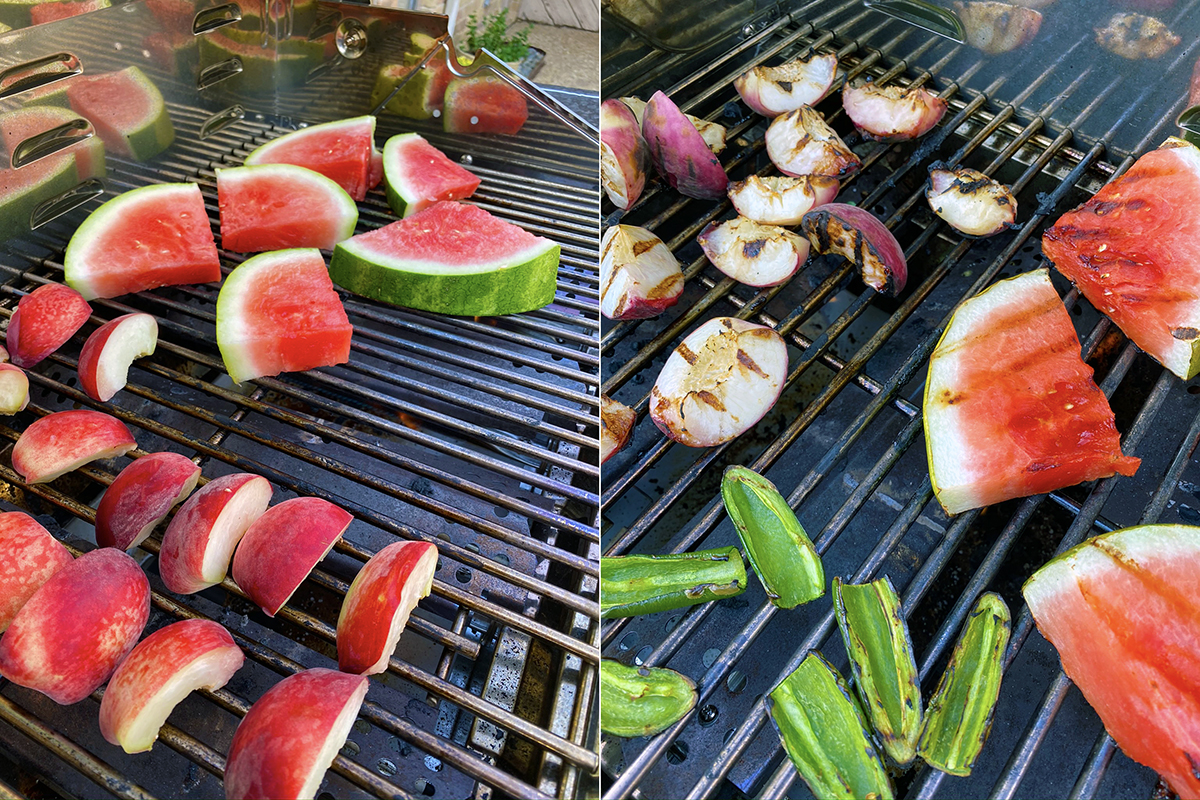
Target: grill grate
pixel 843 442
pixel 479 436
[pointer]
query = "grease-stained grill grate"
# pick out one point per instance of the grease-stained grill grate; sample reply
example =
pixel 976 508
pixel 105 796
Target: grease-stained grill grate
pixel 844 441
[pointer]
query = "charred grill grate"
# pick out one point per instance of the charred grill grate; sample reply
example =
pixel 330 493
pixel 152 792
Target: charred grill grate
pixel 844 441
pixel 477 435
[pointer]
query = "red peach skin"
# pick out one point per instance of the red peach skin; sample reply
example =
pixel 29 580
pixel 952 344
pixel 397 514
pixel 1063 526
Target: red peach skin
pixel 106 355
pixel 14 388
pixel 282 547
pixel 67 640
pixel 66 440
pixel 292 734
pixel 29 555
pixel 200 540
pixel 164 668
pixel 45 319
pixel 141 497
pixel 377 606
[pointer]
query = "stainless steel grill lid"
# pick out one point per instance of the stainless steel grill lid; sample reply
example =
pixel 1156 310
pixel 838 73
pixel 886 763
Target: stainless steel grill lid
pixel 844 443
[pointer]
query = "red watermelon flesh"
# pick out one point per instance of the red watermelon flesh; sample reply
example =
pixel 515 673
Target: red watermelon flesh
pixel 1134 252
pixel 483 104
pixel 51 12
pixel 127 111
pixel 1123 611
pixel 1011 409
pixel 419 175
pixel 154 236
pixel 281 206
pixel 278 312
pixel 342 151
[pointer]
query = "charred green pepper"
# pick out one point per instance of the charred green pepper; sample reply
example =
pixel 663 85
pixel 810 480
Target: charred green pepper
pixel 632 585
pixel 640 701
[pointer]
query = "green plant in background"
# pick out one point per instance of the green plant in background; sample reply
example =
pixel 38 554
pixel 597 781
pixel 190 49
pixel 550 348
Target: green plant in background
pixel 496 38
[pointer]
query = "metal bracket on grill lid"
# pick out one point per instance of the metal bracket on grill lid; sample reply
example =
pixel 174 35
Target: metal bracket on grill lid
pixel 923 15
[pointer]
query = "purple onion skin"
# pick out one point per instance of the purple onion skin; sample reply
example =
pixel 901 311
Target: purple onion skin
pixel 619 131
pixel 861 238
pixel 679 152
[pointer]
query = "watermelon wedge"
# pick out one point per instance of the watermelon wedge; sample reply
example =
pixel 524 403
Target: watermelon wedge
pixel 483 104
pixel 1011 409
pixel 127 111
pixel 1123 611
pixel 341 151
pixel 441 71
pixel 145 238
pixel 51 12
pixel 451 258
pixel 281 206
pixel 278 312
pixel 418 175
pixel 263 71
pixel 1134 252
pixel 415 100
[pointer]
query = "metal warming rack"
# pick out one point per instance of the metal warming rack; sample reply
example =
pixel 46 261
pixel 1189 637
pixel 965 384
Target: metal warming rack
pixel 477 435
pixel 844 442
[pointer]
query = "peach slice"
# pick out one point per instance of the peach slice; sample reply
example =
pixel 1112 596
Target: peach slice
pixel 292 734
pixel 376 608
pixel 164 668
pixel 29 555
pixel 45 320
pixel 108 352
pixel 67 640
pixel 66 440
pixel 141 497
pixel 14 388
pixel 200 540
pixel 282 547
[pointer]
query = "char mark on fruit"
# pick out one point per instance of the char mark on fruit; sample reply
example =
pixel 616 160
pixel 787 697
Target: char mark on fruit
pixel 708 398
pixel 687 354
pixel 746 361
pixel 752 249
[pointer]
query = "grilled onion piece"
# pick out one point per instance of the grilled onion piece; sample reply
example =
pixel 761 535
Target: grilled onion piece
pixel 777 200
pixel 679 152
pixel 639 276
pixel 754 254
pixel 616 424
pixel 772 91
pixel 624 157
pixel 892 113
pixel 1136 36
pixel 971 202
pixel 712 133
pixel 854 233
pixel 718 382
pixel 800 143
pixel 996 27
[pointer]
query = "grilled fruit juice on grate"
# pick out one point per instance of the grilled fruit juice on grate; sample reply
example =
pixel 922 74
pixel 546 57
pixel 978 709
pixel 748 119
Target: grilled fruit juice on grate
pixel 1006 380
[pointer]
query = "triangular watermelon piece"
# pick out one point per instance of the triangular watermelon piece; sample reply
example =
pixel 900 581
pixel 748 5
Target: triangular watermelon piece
pixel 53 11
pixel 418 175
pixel 127 110
pixel 1011 409
pixel 483 104
pixel 282 206
pixel 1123 611
pixel 145 238
pixel 341 151
pixel 278 312
pixel 451 258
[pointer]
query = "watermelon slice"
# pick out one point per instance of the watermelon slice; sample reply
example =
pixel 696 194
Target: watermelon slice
pixel 174 53
pixel 1123 611
pixel 145 238
pixel 51 12
pixel 24 188
pixel 415 100
pixel 1134 252
pixel 1010 408
pixel 341 151
pixel 127 111
pixel 451 258
pixel 281 206
pixel 278 312
pixel 418 175
pixel 441 72
pixel 263 70
pixel 483 104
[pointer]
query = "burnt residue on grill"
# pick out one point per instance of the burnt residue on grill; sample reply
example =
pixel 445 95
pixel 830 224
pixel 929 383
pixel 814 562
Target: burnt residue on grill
pixel 845 442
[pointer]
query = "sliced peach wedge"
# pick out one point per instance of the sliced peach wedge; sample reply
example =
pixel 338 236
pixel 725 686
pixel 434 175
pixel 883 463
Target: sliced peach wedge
pixel 108 352
pixel 66 440
pixel 44 320
pixel 14 389
pixel 141 496
pixel 29 555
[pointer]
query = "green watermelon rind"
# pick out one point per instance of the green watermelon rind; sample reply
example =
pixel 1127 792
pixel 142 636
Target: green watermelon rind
pixel 337 201
pixel 84 244
pixel 400 195
pixel 414 100
pixel 523 281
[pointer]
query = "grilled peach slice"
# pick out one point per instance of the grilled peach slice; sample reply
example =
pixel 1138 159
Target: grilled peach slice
pixel 66 440
pixel 45 320
pixel 142 496
pixel 108 352
pixel 14 389
pixel 29 555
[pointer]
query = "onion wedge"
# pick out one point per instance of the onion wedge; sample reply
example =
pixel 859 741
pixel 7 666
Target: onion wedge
pixel 616 424
pixel 857 235
pixel 777 200
pixel 995 27
pixel 772 91
pixel 1136 36
pixel 624 158
pixel 971 202
pixel 892 113
pixel 720 381
pixel 754 254
pixel 800 143
pixel 639 276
